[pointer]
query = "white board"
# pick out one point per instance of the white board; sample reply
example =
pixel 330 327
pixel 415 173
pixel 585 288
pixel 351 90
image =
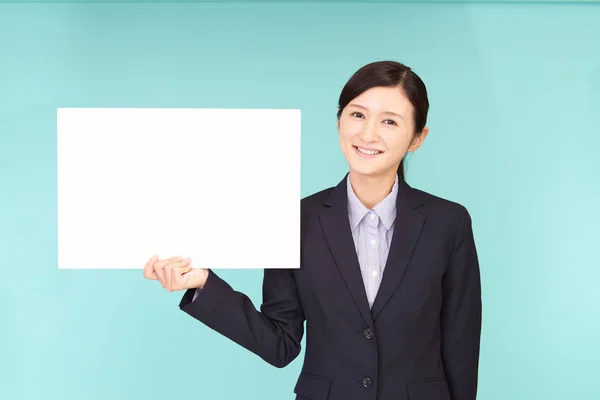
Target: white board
pixel 221 186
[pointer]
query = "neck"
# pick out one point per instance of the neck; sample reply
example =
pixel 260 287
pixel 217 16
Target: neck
pixel 371 190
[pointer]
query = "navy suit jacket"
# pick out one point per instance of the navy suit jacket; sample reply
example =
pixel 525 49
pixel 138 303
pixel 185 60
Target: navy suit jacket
pixel 419 341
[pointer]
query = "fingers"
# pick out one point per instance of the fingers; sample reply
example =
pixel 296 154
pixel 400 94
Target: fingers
pixel 170 272
pixel 149 268
pixel 173 271
pixel 159 269
pixel 179 277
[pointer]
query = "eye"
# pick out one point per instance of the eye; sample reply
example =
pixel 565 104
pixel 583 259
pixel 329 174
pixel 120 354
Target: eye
pixel 390 122
pixel 357 114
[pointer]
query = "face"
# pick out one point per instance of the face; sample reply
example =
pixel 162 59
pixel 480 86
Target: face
pixel 376 130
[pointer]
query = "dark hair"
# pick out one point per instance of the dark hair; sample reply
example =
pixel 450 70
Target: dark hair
pixel 389 74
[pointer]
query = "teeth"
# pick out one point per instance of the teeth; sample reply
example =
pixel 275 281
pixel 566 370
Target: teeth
pixel 369 152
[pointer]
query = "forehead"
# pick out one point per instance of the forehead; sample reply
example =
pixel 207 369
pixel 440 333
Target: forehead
pixel 381 99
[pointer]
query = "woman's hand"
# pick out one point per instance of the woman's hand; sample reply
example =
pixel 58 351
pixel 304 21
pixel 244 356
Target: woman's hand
pixel 175 273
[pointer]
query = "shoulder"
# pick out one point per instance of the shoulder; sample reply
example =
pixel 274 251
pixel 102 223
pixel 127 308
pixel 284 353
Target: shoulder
pixel 445 211
pixel 315 201
pixel 438 203
pixel 311 204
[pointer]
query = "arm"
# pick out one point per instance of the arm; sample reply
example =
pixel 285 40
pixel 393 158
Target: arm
pixel 461 314
pixel 274 333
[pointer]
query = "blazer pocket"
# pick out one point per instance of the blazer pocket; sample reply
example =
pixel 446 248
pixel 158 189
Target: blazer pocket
pixel 429 389
pixel 312 387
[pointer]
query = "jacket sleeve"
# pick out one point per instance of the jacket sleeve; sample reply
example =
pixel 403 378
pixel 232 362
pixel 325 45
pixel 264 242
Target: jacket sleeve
pixel 273 333
pixel 462 314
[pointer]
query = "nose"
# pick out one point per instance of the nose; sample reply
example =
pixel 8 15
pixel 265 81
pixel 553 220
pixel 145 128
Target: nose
pixel 369 132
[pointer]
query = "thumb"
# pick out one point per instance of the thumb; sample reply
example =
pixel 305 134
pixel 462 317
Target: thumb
pixel 194 278
pixel 179 277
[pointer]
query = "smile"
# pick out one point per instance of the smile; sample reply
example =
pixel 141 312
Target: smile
pixel 367 152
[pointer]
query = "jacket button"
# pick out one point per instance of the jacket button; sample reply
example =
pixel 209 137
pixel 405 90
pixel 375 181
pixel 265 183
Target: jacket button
pixel 368 333
pixel 367 382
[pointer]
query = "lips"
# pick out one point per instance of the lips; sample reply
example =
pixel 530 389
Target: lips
pixel 367 151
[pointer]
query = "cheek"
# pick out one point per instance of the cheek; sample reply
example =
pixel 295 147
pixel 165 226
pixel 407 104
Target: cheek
pixel 349 129
pixel 396 142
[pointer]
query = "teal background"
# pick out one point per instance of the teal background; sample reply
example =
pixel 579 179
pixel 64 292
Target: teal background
pixel 514 137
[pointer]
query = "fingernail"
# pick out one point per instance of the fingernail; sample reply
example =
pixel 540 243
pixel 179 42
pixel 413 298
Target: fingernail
pixel 187 259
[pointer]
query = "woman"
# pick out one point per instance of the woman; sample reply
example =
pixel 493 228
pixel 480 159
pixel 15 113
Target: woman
pixel 389 283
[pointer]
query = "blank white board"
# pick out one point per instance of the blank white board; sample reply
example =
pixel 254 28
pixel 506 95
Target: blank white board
pixel 221 186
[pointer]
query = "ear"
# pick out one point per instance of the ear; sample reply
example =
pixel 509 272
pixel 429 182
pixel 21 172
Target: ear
pixel 418 140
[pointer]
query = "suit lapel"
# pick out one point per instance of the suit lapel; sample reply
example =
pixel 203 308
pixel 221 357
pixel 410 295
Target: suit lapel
pixel 407 230
pixel 336 226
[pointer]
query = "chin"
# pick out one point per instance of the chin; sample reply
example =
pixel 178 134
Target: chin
pixel 366 170
pixel 370 170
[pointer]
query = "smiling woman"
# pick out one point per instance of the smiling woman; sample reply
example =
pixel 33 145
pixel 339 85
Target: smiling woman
pixel 389 282
pixel 386 95
pixel 382 114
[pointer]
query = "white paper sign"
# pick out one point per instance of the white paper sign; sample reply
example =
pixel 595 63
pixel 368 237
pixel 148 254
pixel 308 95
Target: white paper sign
pixel 221 186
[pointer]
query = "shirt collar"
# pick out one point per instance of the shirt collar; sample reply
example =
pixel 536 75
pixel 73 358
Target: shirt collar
pixel 385 209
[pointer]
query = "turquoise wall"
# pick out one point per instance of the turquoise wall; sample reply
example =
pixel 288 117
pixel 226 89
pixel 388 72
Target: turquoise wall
pixel 514 137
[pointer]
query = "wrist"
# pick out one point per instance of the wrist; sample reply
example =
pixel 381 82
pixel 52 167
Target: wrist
pixel 199 279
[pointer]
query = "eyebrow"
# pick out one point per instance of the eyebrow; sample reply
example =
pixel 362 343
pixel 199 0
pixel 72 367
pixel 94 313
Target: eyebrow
pixel 385 112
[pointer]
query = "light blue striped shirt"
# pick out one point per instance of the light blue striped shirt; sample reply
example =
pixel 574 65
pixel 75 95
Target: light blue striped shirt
pixel 372 231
